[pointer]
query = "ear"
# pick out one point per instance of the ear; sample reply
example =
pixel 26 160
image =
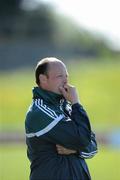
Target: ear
pixel 42 78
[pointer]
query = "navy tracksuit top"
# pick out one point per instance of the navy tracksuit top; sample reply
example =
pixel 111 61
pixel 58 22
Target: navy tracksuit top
pixel 51 120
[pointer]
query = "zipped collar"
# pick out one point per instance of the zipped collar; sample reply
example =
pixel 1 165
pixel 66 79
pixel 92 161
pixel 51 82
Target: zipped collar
pixel 48 96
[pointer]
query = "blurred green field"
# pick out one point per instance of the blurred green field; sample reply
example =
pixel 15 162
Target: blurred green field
pixel 14 164
pixel 98 83
pixel 98 86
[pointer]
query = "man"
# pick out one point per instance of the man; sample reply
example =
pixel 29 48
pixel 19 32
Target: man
pixel 58 131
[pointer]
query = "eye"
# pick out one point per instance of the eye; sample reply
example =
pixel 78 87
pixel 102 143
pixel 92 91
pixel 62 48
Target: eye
pixel 60 75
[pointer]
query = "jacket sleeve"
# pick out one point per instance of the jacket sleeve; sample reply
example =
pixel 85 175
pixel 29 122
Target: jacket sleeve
pixel 72 132
pixel 91 150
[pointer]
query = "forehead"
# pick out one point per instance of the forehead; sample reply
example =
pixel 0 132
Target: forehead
pixel 57 67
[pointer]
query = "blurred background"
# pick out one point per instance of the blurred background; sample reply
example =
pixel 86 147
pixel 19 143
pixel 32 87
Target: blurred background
pixel 86 36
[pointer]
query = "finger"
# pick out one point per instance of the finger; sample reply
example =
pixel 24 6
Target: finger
pixel 66 87
pixel 63 91
pixel 59 148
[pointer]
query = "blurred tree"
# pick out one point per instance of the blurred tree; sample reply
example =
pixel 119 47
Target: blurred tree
pixel 9 9
pixel 16 22
pixel 41 30
pixel 40 23
pixel 77 39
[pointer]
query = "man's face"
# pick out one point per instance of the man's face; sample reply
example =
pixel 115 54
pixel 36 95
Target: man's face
pixel 57 77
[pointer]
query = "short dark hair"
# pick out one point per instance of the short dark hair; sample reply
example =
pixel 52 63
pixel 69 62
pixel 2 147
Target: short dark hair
pixel 41 68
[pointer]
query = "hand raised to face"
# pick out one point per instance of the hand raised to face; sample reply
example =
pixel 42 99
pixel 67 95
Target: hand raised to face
pixel 69 92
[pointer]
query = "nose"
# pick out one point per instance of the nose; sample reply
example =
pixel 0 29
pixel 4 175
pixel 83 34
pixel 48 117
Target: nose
pixel 66 79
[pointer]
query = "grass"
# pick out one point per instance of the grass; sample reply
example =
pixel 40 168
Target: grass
pixel 15 165
pixel 105 165
pixel 15 95
pixel 98 86
pixel 97 83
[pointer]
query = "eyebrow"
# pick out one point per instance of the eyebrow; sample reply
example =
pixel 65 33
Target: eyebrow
pixel 67 75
